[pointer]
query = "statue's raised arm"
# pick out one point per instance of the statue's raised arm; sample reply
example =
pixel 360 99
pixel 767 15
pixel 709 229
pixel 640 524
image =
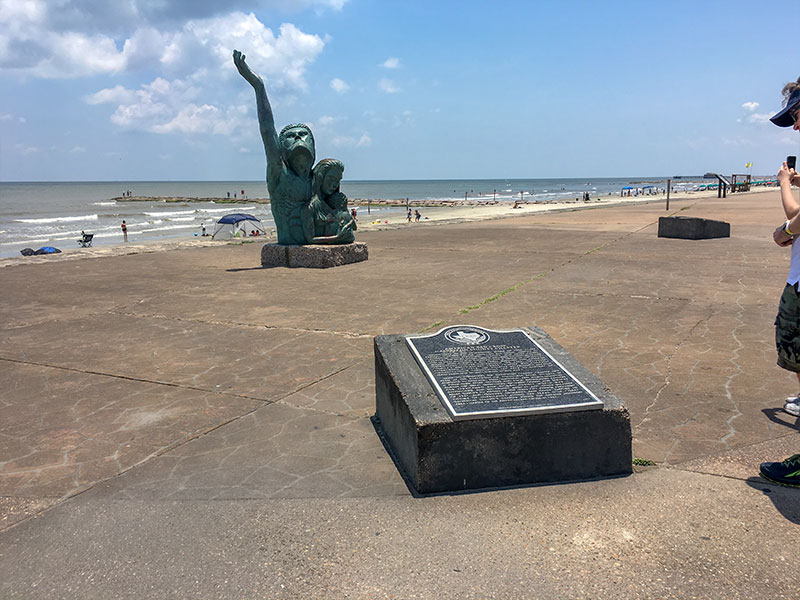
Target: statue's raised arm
pixel 266 121
pixel 302 216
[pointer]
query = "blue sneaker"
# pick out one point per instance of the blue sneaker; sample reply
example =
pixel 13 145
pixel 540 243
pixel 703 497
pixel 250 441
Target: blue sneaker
pixel 784 473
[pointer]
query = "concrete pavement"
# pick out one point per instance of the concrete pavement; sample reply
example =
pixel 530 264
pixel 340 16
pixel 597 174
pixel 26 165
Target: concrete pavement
pixel 185 423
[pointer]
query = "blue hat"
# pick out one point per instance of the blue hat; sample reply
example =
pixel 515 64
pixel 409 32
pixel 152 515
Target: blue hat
pixel 784 117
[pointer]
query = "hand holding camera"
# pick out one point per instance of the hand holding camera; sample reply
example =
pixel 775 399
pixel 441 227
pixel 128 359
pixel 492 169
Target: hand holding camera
pixel 788 173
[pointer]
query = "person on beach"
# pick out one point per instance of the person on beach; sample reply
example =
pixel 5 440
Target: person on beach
pixel 124 231
pixel 787 323
pixel 409 215
pixel 417 216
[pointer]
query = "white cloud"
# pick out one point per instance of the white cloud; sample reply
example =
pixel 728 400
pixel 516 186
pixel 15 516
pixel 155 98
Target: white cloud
pixel 404 119
pixel 167 107
pixel 10 117
pixel 737 142
pixel 115 94
pixel 32 45
pixel 199 101
pixel 788 140
pixel 759 117
pixel 117 18
pixel 194 119
pixel 391 63
pixel 334 4
pixel 388 86
pixel 26 150
pixel 15 10
pixel 352 142
pixel 339 86
pixel 78 150
pixel 325 121
pixel 751 106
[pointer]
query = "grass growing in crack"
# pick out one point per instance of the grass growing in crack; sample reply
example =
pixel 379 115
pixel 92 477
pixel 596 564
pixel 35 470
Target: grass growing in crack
pixel 499 295
pixel 643 462
pixel 593 250
pixel 432 326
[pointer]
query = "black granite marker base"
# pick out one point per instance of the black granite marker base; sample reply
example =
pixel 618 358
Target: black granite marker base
pixel 438 454
pixel 692 228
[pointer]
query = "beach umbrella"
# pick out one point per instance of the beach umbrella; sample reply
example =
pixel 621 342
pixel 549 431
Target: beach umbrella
pixel 241 223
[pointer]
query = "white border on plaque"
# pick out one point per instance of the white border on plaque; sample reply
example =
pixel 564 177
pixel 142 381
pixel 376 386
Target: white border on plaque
pixel 483 414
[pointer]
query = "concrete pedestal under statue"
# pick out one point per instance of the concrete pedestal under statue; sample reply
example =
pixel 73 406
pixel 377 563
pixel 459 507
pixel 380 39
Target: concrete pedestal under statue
pixel 313 256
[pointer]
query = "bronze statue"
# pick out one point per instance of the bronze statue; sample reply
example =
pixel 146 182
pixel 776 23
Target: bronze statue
pixel 328 205
pixel 290 158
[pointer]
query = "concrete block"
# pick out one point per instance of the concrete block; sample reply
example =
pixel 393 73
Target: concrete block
pixel 692 228
pixel 438 454
pixel 313 256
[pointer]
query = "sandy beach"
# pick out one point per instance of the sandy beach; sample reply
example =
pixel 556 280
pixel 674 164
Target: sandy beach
pixel 480 210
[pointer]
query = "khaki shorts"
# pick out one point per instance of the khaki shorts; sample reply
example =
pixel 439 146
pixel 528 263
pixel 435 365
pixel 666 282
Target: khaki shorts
pixel 787 330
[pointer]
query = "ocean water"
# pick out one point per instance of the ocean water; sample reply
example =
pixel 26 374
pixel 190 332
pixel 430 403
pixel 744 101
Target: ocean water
pixel 54 213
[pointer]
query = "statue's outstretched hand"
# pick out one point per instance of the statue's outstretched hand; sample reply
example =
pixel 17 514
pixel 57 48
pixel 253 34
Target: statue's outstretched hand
pixel 245 70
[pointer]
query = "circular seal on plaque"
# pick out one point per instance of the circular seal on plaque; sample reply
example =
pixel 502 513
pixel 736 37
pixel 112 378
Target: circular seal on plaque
pixel 468 336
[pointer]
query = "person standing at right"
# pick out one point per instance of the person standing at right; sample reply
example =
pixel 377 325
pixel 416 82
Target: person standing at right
pixel 124 231
pixel 787 323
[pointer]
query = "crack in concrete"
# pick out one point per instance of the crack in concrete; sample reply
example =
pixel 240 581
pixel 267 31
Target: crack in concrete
pixel 667 377
pixel 543 274
pixel 169 447
pixel 129 378
pixel 187 387
pixel 346 334
pixel 739 371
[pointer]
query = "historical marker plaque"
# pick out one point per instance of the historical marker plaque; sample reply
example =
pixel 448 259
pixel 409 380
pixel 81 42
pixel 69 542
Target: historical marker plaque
pixel 479 372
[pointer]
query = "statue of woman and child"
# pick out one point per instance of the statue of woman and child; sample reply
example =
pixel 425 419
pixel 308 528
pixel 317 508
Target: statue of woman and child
pixel 306 203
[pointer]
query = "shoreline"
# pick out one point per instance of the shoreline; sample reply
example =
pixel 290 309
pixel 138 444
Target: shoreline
pixel 441 212
pixel 189 199
pixel 478 200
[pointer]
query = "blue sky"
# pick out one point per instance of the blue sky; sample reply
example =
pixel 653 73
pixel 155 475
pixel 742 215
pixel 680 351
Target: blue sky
pixel 146 89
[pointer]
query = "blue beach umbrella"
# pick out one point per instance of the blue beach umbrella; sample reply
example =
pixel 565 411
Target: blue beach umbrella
pixel 238 224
